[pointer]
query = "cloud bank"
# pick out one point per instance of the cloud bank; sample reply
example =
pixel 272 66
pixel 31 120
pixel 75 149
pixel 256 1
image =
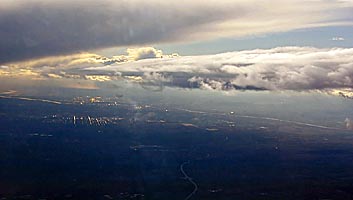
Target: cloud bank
pixel 36 28
pixel 277 69
pixel 282 68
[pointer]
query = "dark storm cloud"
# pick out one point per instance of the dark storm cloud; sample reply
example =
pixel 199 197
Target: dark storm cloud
pixel 36 28
pixel 39 28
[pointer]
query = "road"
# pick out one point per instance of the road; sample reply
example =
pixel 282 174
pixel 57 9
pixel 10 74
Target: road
pixel 188 178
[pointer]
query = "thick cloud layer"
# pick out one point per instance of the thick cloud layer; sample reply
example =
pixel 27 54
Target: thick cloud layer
pixel 282 68
pixel 36 28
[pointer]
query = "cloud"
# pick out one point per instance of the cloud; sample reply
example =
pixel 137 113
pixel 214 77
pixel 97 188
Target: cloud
pixel 282 68
pixel 73 66
pixel 38 28
pixel 342 92
pixel 349 124
pixel 54 66
pixel 337 39
pixel 276 69
pixel 144 53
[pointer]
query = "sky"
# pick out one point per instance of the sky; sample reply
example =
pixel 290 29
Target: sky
pixel 223 45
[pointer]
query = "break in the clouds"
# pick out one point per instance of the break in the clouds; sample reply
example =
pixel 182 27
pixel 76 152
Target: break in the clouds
pixel 277 69
pixel 37 28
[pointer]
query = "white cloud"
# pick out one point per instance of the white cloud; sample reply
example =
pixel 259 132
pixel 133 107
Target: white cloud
pixel 282 68
pixel 349 124
pixel 144 53
pixel 337 39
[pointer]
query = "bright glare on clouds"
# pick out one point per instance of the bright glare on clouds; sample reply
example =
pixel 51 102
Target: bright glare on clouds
pixel 37 28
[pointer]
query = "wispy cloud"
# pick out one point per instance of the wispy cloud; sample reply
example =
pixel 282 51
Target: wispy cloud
pixel 37 28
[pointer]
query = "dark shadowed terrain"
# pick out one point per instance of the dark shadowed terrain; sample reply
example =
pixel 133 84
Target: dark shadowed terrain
pixel 86 148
